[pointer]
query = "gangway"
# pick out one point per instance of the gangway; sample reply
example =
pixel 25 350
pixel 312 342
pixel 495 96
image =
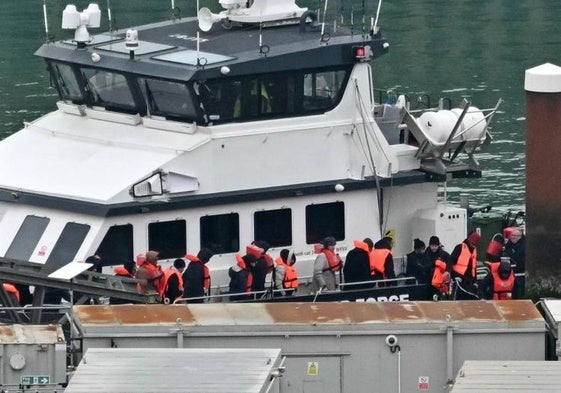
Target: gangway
pixel 86 284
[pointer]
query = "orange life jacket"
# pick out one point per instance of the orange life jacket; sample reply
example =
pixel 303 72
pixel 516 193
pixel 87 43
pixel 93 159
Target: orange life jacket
pixel 155 275
pixel 377 259
pixel 333 259
pixel 290 275
pixel 206 270
pixel 463 261
pixel 502 289
pixel 121 271
pixel 163 287
pixel 438 280
pixel 361 245
pixel 11 288
pixel 241 263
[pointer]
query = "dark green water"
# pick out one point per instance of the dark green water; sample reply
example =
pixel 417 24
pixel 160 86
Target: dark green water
pixel 476 49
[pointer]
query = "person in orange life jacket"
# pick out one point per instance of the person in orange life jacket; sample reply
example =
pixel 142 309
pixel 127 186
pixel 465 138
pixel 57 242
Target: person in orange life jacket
pixel 196 278
pixel 515 249
pixel 499 284
pixel 286 276
pixel 128 269
pixel 327 263
pixel 151 272
pixel 357 265
pixel 171 285
pixel 381 261
pixel 263 265
pixel 437 260
pixel 463 262
pixel 241 276
pixel 12 291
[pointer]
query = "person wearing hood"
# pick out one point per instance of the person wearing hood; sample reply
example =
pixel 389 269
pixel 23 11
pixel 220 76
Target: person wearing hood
pixel 196 278
pixel 499 284
pixel 327 263
pixel 381 260
pixel 463 261
pixel 357 265
pixel 241 277
pixel 515 249
pixel 286 276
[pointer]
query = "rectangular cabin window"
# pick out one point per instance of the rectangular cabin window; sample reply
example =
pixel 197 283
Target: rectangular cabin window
pixel 66 82
pixel 169 238
pixel 322 90
pixel 274 226
pixel 116 248
pixel 325 219
pixel 67 245
pixel 221 233
pixel 220 99
pixel 27 238
pixel 171 100
pixel 109 90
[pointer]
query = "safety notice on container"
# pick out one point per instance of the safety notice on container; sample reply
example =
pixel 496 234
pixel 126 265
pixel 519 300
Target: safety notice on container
pixel 313 368
pixel 423 383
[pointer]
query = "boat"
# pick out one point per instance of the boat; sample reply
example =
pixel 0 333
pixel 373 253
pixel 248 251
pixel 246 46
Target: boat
pixel 257 121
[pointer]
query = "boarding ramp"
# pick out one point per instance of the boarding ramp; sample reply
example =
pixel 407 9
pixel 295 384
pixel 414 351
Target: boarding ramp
pixel 82 283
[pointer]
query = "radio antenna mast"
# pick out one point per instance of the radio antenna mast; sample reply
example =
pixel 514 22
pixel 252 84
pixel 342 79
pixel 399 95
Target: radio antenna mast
pixel 45 21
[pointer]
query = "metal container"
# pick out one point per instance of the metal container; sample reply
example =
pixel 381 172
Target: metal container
pixel 335 347
pixel 32 355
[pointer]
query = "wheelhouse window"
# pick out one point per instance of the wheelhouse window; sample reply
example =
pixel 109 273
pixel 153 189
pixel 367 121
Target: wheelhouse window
pixel 221 233
pixel 325 219
pixel 68 244
pixel 66 83
pixel 274 95
pixel 109 90
pixel 169 238
pixel 172 100
pixel 116 248
pixel 27 237
pixel 274 226
pixel 322 89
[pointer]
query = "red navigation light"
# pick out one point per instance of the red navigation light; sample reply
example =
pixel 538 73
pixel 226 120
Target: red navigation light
pixel 362 53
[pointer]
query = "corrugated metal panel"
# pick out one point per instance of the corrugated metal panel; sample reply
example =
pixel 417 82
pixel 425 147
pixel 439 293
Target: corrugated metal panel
pixel 121 370
pixel 511 313
pixel 508 377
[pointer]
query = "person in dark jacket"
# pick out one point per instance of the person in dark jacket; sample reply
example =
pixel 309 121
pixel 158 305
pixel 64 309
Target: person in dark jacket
pixel 241 277
pixel 381 264
pixel 440 279
pixel 196 278
pixel 415 263
pixel 172 282
pixel 263 265
pixel 515 249
pixel 357 265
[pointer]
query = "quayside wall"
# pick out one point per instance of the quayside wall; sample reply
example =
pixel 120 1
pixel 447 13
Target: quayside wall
pixel 335 347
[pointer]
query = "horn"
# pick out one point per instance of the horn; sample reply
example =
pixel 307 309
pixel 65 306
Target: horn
pixel 207 19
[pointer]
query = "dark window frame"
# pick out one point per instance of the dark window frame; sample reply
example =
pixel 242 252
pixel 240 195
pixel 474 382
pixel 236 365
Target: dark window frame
pixel 161 241
pixel 325 219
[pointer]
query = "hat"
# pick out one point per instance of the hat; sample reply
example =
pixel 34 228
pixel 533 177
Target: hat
pixel 434 241
pixel 204 255
pixel 369 242
pixel 474 237
pixel 418 243
pixel 504 269
pixel 329 241
pixel 179 263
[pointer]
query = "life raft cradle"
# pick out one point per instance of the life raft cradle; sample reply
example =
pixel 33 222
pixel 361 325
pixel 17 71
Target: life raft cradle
pixel 87 284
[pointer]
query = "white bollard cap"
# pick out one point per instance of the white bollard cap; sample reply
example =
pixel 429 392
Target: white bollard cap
pixel 545 78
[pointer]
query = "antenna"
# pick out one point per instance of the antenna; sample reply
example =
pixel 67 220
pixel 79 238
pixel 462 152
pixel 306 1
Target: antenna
pixel 109 16
pixel 375 27
pixel 324 12
pixel 72 19
pixel 45 20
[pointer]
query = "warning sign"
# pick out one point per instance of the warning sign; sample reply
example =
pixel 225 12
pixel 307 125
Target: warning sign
pixel 423 383
pixel 313 368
